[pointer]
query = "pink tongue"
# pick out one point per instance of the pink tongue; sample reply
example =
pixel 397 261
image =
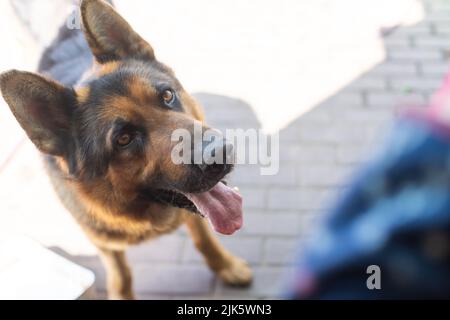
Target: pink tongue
pixel 222 205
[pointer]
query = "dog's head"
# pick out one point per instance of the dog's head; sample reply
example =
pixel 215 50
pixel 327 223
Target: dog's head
pixel 114 133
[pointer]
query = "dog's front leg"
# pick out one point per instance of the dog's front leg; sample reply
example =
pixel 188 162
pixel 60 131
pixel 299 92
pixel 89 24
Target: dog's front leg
pixel 231 269
pixel 118 274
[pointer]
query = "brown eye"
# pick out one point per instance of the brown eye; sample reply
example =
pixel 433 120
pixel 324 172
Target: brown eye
pixel 168 97
pixel 124 140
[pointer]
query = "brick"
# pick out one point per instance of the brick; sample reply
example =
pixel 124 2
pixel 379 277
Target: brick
pixel 274 223
pixel 438 15
pixel 414 55
pixel 319 116
pixel 437 69
pixel 423 28
pixel 351 154
pixel 251 179
pixel 253 198
pixel 286 176
pixel 323 175
pixel 378 134
pixel 418 29
pixel 336 133
pixel 298 199
pixel 286 198
pixel 370 116
pixel 390 99
pixel 281 251
pixel 308 154
pixel 416 84
pixel 244 175
pixel 437 5
pixel 289 152
pixel 346 99
pixel 397 41
pixel 369 83
pixel 222 112
pixel 442 29
pixel 437 42
pixel 315 134
pixel 382 99
pixel 388 68
pixel 291 133
pixel 172 279
pixel 310 222
pixel 248 248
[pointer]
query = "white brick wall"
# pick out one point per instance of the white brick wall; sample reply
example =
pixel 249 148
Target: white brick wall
pixel 390 99
pixel 397 68
pixel 419 54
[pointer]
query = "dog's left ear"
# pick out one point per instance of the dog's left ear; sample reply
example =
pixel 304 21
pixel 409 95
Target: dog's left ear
pixel 109 35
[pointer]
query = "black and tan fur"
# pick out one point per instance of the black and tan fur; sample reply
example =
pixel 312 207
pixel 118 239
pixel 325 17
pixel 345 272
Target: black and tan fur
pixel 119 195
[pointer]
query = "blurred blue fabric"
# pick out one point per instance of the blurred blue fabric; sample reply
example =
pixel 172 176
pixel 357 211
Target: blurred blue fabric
pixel 395 215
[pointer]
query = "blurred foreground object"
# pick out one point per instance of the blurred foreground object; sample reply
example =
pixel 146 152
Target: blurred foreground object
pixel 394 219
pixel 31 272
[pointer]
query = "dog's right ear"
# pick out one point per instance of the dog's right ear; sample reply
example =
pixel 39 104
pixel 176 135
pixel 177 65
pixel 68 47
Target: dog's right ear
pixel 42 107
pixel 109 36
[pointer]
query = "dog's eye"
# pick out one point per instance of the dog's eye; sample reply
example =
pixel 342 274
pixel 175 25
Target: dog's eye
pixel 168 96
pixel 124 139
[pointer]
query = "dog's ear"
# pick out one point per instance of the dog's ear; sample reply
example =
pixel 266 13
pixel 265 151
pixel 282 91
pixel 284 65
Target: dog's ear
pixel 42 107
pixel 109 35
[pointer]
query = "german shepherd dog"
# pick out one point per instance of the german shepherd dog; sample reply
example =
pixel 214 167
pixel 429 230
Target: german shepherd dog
pixel 106 143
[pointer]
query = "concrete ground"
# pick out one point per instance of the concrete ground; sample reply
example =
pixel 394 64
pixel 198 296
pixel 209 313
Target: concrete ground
pixel 328 76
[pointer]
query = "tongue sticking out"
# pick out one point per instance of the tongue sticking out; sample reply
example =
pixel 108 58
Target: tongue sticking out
pixel 222 205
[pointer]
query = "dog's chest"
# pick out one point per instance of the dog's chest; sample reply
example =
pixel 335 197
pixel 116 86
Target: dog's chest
pixel 108 227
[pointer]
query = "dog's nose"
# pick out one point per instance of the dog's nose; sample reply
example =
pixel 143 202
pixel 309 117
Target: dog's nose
pixel 219 157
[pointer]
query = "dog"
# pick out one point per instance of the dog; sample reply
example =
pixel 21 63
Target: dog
pixel 106 145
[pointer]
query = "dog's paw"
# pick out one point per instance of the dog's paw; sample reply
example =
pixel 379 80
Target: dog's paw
pixel 236 273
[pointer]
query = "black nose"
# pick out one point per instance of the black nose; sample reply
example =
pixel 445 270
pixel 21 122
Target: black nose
pixel 218 157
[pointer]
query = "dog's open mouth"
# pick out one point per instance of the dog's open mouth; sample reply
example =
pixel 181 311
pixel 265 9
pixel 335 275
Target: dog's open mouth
pixel 221 204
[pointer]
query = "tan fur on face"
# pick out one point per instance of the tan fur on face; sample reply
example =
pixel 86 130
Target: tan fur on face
pixel 104 69
pixel 83 94
pixel 142 92
pixel 120 107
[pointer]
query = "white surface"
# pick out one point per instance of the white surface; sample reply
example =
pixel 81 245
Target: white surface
pixel 29 271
